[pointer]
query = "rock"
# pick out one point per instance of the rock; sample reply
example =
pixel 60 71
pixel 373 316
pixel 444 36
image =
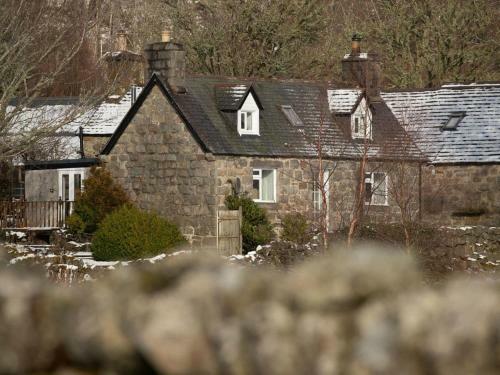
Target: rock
pixel 357 312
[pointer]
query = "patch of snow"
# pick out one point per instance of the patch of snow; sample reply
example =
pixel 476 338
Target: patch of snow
pixel 78 244
pixel 82 254
pixel 91 263
pixel 156 258
pixel 179 253
pixel 237 257
pixel 22 258
pixel 471 259
pixel 18 235
pixel 67 266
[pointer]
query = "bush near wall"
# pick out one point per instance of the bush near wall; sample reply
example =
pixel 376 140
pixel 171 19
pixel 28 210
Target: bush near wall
pixel 100 197
pixel 256 228
pixel 296 228
pixel 129 233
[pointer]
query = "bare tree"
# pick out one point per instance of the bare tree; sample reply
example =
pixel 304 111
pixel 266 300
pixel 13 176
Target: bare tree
pixel 39 42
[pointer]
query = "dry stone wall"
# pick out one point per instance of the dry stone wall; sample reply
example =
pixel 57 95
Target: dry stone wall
pixel 194 315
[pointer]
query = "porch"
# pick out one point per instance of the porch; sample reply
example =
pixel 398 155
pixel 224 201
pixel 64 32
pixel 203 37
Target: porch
pixel 33 216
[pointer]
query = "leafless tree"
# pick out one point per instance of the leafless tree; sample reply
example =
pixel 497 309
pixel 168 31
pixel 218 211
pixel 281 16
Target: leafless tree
pixel 39 43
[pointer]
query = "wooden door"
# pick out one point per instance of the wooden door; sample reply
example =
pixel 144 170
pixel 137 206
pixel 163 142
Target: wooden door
pixel 229 239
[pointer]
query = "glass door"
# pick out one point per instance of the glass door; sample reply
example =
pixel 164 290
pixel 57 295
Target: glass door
pixel 70 186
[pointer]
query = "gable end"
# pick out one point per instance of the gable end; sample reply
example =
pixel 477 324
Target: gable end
pixel 154 81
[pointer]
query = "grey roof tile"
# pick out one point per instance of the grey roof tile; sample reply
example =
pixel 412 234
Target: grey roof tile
pixel 476 138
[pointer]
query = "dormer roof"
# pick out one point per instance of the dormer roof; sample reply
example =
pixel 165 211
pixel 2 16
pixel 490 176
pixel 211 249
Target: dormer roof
pixel 230 97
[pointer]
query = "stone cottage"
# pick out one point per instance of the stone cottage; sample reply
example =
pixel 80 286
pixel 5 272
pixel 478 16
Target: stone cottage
pixel 188 140
pixel 458 127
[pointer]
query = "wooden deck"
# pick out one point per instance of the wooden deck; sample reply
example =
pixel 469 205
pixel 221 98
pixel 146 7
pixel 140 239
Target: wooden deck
pixel 34 215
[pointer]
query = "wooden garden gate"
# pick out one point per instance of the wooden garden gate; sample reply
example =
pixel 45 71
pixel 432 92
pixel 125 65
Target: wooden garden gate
pixel 229 239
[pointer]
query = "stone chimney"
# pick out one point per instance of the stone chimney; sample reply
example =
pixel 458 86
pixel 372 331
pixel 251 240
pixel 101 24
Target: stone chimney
pixel 168 60
pixel 362 69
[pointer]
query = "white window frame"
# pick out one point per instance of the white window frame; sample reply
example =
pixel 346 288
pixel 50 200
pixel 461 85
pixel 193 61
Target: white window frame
pixel 259 178
pixel 71 173
pixel 371 180
pixel 249 107
pixel 364 117
pixel 318 197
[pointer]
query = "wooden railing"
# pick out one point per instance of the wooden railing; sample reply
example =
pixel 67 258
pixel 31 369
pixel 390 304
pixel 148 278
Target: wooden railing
pixel 34 215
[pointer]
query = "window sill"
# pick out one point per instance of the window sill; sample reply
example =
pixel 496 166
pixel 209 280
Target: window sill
pixel 377 204
pixel 260 201
pixel 248 133
pixel 361 138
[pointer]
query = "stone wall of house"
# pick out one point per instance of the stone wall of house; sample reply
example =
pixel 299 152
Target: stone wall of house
pixel 163 169
pixel 468 240
pixel 92 145
pixel 294 187
pixel 462 194
pixel 41 185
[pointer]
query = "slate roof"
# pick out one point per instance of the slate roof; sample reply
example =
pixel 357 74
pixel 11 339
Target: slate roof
pixel 105 118
pixel 51 112
pixel 209 108
pixel 343 100
pixel 230 97
pixel 477 136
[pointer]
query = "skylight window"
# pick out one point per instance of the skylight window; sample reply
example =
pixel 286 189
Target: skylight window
pixel 291 115
pixel 453 121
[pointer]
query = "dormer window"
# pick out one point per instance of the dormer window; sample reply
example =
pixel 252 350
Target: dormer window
pixel 361 121
pixel 248 116
pixel 453 121
pixel 246 121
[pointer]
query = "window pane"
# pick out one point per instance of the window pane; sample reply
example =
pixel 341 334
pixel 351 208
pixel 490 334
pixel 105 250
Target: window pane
pixel 317 200
pixel 249 120
pixel 380 188
pixel 65 187
pixel 78 184
pixel 256 184
pixel 242 120
pixel 267 185
pixel 368 192
pixel 356 125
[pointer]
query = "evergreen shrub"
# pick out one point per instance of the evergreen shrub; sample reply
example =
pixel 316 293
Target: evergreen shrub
pixel 256 228
pixel 296 228
pixel 100 197
pixel 129 233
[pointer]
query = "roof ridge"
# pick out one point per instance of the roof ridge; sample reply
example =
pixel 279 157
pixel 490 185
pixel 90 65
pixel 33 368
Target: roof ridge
pixel 261 79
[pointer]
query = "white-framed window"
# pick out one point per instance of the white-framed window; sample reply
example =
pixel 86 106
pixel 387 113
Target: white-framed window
pixel 317 194
pixel 376 185
pixel 248 117
pixel 264 184
pixel 361 121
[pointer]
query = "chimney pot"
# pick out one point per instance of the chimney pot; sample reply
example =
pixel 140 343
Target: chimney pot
pixel 356 44
pixel 121 41
pixel 166 36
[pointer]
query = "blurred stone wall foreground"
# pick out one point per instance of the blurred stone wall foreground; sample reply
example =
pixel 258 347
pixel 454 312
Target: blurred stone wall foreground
pixel 364 312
